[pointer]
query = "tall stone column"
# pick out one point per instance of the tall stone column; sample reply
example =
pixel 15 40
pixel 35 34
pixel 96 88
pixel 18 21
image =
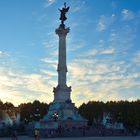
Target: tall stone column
pixel 62 105
pixel 62 66
pixel 62 91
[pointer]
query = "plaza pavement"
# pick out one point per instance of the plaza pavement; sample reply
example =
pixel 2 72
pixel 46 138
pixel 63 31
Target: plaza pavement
pixel 78 138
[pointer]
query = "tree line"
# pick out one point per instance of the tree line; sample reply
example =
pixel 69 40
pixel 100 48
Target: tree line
pixel 121 111
pixel 28 111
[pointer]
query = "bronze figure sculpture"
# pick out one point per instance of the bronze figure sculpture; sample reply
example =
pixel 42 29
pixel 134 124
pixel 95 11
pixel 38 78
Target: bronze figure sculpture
pixel 63 11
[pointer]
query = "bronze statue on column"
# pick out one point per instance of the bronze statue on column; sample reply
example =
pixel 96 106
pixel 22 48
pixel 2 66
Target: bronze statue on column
pixel 63 12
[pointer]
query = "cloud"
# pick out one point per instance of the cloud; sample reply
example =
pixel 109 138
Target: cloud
pixel 23 87
pixel 49 3
pixel 136 58
pixel 90 52
pixel 101 26
pixel 101 79
pixel 50 44
pixel 100 51
pixel 3 54
pixel 49 73
pixel 127 14
pixel 104 22
pixel 50 62
pixel 117 37
pixel 76 46
pixel 98 73
pixel 108 51
pixel 77 5
pixel 114 4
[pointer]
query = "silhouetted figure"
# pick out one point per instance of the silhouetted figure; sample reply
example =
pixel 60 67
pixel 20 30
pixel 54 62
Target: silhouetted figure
pixel 63 11
pixel 36 134
pixel 14 135
pixel 84 131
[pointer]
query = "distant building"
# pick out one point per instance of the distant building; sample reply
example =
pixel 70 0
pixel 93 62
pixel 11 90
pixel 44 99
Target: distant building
pixel 109 123
pixel 9 117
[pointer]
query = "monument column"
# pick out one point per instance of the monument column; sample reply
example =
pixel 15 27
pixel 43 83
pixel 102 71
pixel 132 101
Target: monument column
pixel 62 91
pixel 62 65
pixel 62 109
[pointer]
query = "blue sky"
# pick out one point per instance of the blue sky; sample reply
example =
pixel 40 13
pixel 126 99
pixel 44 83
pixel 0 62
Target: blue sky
pixel 103 52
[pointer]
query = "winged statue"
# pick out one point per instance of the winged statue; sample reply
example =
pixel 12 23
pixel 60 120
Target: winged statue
pixel 63 12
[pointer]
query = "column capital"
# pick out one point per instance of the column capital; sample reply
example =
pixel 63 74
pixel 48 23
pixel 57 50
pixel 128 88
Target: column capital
pixel 62 31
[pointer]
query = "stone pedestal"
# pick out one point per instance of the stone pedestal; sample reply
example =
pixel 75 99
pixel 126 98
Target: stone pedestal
pixel 68 115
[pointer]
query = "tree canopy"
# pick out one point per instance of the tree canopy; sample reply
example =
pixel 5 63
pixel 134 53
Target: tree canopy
pixel 122 111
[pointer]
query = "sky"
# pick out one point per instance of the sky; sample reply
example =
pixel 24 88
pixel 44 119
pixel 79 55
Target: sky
pixel 103 51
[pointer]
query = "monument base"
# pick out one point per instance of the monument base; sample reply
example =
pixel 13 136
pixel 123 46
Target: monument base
pixel 62 114
pixel 61 124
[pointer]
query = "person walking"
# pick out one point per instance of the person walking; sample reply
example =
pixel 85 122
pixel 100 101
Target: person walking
pixel 37 136
pixel 14 135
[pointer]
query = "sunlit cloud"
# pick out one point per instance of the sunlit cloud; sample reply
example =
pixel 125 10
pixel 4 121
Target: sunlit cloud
pixel 24 87
pixel 99 51
pixel 101 63
pixel 108 51
pixel 49 3
pixel 50 62
pixel 1 52
pixel 101 79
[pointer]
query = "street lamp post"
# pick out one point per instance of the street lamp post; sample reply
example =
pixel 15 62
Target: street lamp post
pixel 55 116
pixel 37 115
pixel 26 121
pixel 31 117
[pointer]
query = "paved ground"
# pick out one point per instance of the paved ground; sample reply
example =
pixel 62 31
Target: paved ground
pixel 83 138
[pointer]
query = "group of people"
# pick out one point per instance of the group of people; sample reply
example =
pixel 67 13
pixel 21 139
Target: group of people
pixel 36 135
